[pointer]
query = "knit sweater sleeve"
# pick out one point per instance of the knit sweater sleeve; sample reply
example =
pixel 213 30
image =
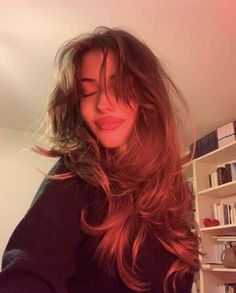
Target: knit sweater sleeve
pixel 39 256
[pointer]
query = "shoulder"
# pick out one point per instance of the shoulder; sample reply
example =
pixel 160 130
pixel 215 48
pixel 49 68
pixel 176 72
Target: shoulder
pixel 72 190
pixel 51 221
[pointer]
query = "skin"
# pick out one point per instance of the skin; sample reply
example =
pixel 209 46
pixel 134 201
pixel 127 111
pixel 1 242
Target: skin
pixel 98 102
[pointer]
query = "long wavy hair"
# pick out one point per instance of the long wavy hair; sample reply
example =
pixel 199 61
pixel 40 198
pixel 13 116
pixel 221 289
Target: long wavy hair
pixel 144 186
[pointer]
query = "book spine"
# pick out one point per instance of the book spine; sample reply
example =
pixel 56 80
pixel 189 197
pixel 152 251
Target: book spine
pixel 228 172
pixel 213 142
pixel 220 135
pixel 233 170
pixel 213 179
pixel 205 144
pixel 230 214
pixel 220 213
pixel 214 211
pixel 221 175
pixel 234 212
pixel 216 140
pixel 226 216
pixel 234 129
pixel 199 148
pixel 209 180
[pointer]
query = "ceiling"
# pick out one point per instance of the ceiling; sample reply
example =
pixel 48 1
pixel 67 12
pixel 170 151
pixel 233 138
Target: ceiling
pixel 195 40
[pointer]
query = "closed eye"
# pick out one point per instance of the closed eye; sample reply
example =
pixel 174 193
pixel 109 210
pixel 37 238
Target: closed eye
pixel 87 95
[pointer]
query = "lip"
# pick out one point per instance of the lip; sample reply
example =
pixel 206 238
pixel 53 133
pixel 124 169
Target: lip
pixel 109 122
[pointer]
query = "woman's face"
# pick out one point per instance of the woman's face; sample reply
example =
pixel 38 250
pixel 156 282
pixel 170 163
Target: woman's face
pixel 110 121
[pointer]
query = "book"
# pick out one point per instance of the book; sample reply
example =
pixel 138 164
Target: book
pixel 226 134
pixel 233 170
pixel 228 172
pixel 221 175
pixel 215 139
pixel 220 214
pixel 224 213
pixel 213 180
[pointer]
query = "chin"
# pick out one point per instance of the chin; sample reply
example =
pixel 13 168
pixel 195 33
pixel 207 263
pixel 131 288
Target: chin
pixel 111 145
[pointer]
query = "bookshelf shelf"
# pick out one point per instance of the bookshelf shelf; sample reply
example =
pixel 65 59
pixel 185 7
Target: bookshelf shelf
pixel 206 201
pixel 224 270
pixel 217 268
pixel 221 228
pixel 223 190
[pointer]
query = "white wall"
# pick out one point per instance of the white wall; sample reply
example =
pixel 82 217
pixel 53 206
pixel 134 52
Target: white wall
pixel 19 179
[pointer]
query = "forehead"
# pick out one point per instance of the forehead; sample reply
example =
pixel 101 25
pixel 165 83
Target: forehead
pixel 91 64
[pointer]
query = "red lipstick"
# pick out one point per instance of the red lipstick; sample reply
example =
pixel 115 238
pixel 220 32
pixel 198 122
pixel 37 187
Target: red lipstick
pixel 109 122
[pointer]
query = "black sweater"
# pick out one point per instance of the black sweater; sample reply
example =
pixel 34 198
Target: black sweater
pixel 49 253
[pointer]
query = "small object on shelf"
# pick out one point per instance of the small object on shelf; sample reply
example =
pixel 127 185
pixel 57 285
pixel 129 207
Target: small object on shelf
pixel 208 222
pixel 213 179
pixel 228 257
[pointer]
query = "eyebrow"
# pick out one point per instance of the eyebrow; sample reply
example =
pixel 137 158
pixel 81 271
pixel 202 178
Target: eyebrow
pixel 87 79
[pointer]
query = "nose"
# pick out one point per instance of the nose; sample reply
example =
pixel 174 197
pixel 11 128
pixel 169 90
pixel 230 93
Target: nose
pixel 105 101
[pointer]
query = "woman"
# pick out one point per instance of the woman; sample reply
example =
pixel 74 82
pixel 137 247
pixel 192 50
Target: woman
pixel 113 215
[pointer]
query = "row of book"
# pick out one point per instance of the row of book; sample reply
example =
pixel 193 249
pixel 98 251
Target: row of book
pixel 222 288
pixel 223 174
pixel 215 139
pixel 225 213
pixel 227 288
pixel 222 242
pixel 218 249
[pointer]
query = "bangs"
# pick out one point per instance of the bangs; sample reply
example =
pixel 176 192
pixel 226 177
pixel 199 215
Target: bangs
pixel 123 85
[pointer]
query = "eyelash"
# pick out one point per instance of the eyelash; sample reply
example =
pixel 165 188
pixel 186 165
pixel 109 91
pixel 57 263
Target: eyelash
pixel 88 95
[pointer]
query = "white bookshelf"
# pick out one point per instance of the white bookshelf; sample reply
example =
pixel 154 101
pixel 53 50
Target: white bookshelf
pixel 212 275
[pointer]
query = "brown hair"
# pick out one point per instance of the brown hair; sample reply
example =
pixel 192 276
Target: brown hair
pixel 145 189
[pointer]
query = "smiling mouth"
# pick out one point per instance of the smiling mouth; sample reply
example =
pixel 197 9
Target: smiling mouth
pixel 109 125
